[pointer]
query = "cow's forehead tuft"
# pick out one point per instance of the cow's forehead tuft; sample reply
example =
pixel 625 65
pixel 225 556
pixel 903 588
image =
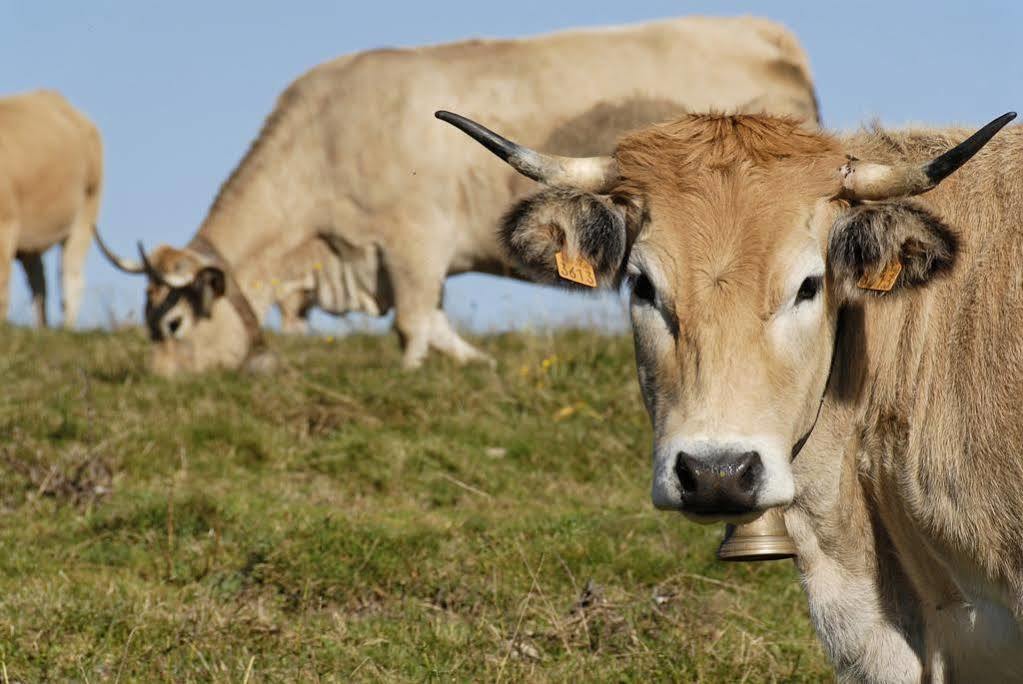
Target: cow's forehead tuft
pixel 718 140
pixel 172 260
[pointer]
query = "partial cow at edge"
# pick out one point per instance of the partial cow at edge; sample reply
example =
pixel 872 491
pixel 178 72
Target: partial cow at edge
pixel 860 295
pixel 352 200
pixel 51 176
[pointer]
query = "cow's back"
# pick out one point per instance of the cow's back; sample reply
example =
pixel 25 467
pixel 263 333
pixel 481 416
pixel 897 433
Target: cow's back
pixel 352 147
pixel 391 160
pixel 50 159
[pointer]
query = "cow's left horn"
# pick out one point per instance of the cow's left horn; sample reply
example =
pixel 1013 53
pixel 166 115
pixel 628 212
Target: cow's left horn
pixel 868 181
pixel 126 265
pixel 590 174
pixel 172 281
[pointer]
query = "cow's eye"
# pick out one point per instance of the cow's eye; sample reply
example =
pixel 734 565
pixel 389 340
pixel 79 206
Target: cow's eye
pixel 643 289
pixel 809 289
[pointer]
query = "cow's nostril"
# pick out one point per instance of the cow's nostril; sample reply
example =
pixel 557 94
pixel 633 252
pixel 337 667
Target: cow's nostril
pixel 685 471
pixel 748 471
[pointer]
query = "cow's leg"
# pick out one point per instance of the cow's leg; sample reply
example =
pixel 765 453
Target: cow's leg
pixel 8 244
pixel 417 281
pixel 444 338
pixel 294 310
pixel 293 323
pixel 72 259
pixel 36 277
pixel 415 300
pixel 9 229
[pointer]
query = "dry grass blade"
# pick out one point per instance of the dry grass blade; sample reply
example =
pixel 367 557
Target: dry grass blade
pixel 248 670
pixel 518 625
pixel 467 487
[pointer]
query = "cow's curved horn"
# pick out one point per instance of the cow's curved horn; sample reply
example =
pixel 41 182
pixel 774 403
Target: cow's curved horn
pixel 868 181
pixel 172 281
pixel 591 174
pixel 126 265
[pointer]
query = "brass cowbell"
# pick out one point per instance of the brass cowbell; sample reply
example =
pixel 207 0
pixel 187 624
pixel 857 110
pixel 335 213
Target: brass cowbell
pixel 765 538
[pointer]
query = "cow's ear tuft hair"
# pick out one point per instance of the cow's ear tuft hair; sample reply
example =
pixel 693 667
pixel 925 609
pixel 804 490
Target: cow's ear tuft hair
pixel 868 238
pixel 210 283
pixel 579 224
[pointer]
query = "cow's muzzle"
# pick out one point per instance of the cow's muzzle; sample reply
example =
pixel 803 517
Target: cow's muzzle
pixel 719 485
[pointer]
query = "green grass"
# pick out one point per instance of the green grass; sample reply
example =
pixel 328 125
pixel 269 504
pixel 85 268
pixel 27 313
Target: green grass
pixel 344 521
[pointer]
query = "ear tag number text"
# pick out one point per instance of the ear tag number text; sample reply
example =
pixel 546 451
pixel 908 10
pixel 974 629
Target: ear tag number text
pixel 576 270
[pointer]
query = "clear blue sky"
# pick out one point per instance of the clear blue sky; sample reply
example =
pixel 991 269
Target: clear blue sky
pixel 180 88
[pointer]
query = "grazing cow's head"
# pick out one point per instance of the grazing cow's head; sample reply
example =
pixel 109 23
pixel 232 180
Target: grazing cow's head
pixel 740 237
pixel 196 317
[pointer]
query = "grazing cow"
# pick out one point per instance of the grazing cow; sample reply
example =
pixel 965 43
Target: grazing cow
pixel 834 325
pixel 347 155
pixel 51 174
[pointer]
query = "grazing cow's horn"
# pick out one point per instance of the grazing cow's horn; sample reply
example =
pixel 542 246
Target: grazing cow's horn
pixel 172 281
pixel 126 265
pixel 591 174
pixel 867 181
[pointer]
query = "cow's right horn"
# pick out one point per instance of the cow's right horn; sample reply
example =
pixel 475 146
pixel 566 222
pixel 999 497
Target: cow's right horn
pixel 590 174
pixel 126 265
pixel 862 180
pixel 171 281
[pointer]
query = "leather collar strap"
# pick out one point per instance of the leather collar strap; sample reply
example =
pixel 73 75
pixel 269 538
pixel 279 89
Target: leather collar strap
pixel 235 297
pixel 798 446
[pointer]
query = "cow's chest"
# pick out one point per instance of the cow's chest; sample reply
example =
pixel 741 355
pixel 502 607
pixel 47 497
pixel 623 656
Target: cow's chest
pixel 979 636
pixel 968 629
pixel 897 613
pixel 869 634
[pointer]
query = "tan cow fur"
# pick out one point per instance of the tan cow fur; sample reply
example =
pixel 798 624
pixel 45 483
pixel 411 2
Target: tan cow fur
pixel 905 502
pixel 907 515
pixel 51 176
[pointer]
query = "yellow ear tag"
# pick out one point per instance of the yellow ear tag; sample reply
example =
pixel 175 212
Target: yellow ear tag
pixel 883 281
pixel 578 270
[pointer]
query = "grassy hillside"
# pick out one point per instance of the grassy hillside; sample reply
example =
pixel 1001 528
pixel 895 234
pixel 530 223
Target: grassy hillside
pixel 344 521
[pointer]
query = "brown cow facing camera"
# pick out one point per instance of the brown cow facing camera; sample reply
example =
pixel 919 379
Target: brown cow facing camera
pixel 857 295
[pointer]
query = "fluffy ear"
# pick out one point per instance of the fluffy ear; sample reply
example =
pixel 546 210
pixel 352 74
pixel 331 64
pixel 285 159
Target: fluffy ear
pixel 868 240
pixel 578 224
pixel 210 283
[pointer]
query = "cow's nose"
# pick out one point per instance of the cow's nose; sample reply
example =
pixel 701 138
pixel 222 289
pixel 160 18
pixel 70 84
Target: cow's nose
pixel 720 484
